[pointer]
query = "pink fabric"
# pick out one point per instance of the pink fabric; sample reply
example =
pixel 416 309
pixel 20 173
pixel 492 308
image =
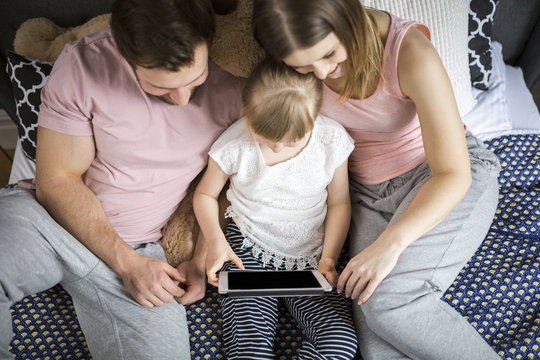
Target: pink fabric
pixel 384 126
pixel 147 151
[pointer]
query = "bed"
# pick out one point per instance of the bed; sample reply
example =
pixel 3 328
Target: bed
pixel 498 291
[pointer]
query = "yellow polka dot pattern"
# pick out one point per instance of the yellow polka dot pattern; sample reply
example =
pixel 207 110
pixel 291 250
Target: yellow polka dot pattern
pixel 46 327
pixel 498 291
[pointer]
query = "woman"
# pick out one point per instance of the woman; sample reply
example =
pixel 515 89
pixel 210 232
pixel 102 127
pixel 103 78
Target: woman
pixel 423 189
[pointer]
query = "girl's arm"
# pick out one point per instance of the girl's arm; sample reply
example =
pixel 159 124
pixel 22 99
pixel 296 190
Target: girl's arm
pixel 422 77
pixel 336 223
pixel 206 207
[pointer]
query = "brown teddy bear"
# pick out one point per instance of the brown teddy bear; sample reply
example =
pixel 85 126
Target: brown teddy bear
pixel 42 39
pixel 234 49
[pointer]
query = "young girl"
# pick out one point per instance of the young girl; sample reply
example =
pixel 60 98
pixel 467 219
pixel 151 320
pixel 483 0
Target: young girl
pixel 423 190
pixel 290 208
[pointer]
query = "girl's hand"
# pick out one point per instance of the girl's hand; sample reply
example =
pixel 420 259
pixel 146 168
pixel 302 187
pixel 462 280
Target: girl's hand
pixel 367 269
pixel 327 267
pixel 219 252
pixel 195 283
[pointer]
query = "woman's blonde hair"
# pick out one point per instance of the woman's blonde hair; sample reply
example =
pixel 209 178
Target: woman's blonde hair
pixel 284 26
pixel 279 102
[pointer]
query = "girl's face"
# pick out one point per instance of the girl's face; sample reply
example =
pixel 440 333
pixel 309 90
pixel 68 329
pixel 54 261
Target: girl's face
pixel 276 147
pixel 326 59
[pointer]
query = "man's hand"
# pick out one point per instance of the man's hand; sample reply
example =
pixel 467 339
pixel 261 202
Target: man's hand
pixel 195 281
pixel 152 282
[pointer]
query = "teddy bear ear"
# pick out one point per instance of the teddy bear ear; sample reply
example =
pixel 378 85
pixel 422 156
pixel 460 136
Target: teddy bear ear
pixel 234 47
pixel 42 39
pixel 34 36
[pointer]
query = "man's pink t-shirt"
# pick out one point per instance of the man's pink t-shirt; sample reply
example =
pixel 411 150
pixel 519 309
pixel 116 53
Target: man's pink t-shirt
pixel 147 151
pixel 384 126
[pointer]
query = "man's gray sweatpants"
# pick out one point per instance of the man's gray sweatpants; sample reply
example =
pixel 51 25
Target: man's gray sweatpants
pixel 405 317
pixel 36 254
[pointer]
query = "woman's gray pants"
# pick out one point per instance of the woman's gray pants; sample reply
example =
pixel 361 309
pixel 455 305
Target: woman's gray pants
pixel 405 317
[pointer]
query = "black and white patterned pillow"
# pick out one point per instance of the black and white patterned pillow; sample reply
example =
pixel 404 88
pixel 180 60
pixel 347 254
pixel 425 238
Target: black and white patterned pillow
pixel 479 41
pixel 28 77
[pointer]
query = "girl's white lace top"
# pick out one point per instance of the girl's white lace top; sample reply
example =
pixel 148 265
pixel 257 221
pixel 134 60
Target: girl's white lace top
pixel 280 209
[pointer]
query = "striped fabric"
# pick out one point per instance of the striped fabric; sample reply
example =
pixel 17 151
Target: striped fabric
pixel 249 324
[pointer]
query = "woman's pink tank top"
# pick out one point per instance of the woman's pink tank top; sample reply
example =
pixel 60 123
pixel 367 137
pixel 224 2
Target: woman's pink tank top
pixel 384 126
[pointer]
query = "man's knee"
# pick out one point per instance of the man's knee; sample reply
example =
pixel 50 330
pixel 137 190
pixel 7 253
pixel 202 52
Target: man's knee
pixel 158 333
pixel 16 206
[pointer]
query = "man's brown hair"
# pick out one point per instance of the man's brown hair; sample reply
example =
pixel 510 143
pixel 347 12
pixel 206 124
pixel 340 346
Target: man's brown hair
pixel 161 33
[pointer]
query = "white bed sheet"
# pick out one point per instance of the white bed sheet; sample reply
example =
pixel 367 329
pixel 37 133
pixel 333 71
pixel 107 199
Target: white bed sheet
pixel 22 167
pixel 507 107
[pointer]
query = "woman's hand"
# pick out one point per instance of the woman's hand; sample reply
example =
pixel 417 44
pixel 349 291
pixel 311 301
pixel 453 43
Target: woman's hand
pixel 218 253
pixel 327 267
pixel 367 269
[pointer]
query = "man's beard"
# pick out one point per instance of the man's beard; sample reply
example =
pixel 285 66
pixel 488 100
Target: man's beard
pixel 168 100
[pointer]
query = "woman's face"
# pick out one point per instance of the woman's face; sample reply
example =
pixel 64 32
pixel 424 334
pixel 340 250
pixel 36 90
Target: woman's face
pixel 326 59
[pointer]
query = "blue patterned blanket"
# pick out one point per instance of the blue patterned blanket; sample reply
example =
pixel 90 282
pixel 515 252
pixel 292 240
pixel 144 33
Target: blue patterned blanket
pixel 498 291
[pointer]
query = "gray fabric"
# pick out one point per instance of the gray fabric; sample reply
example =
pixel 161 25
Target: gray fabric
pixel 405 317
pixel 36 254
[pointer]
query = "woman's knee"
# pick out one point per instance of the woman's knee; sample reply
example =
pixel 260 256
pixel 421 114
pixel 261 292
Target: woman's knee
pixel 384 312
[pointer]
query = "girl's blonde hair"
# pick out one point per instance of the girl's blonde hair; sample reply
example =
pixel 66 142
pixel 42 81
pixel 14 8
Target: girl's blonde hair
pixel 284 26
pixel 279 102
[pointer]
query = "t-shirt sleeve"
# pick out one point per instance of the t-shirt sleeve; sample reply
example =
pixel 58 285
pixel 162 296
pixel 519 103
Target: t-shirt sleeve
pixel 226 157
pixel 343 146
pixel 339 144
pixel 63 105
pixel 226 150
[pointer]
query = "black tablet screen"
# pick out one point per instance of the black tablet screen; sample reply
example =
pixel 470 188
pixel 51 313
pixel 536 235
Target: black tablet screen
pixel 271 280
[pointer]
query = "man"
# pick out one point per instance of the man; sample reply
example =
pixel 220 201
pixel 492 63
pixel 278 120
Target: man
pixel 126 120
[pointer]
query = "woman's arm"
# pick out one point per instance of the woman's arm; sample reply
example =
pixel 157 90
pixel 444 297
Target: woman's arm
pixel 206 207
pixel 422 77
pixel 336 224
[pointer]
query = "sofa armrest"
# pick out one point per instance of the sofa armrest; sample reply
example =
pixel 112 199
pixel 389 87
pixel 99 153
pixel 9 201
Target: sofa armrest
pixel 7 101
pixel 517 28
pixel 529 60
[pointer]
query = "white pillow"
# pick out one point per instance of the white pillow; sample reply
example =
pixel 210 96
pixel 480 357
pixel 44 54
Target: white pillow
pixel 490 117
pixel 507 107
pixel 448 21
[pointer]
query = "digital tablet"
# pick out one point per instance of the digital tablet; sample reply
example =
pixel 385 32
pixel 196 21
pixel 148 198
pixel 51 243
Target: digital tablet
pixel 272 283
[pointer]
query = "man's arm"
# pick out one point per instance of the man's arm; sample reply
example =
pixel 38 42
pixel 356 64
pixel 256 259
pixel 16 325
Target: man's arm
pixel 61 160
